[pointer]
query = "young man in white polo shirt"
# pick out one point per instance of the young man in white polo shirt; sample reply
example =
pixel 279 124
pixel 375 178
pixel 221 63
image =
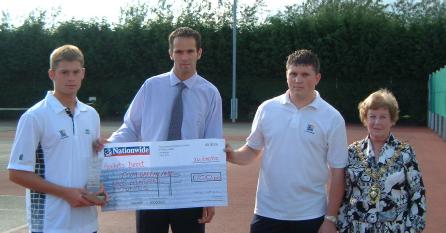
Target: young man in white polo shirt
pixel 52 148
pixel 303 142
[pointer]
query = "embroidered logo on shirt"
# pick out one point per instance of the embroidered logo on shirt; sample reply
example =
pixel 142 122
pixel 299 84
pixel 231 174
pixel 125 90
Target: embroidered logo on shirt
pixel 310 129
pixel 87 131
pixel 63 134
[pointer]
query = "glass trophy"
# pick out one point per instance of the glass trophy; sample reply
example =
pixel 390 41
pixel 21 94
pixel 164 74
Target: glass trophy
pixel 94 179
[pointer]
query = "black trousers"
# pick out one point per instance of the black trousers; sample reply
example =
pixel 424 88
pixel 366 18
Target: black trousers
pixel 262 224
pixel 180 220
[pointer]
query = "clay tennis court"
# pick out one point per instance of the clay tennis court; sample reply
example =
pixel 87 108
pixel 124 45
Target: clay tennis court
pixel 242 181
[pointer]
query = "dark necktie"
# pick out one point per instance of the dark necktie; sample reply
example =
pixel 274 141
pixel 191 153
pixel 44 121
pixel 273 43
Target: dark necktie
pixel 176 117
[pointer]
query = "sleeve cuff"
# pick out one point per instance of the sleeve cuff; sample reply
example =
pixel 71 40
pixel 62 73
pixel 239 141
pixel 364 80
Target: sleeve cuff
pixel 21 167
pixel 254 146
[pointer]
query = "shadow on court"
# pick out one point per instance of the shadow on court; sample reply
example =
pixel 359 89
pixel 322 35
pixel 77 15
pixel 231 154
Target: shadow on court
pixel 242 182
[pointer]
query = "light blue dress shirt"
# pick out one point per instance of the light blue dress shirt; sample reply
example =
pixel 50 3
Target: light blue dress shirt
pixel 148 116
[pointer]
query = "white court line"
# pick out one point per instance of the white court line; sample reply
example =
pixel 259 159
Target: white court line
pixel 13 109
pixel 16 229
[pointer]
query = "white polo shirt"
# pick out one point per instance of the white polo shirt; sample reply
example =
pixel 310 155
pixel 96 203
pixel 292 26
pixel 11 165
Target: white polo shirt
pixel 57 147
pixel 299 145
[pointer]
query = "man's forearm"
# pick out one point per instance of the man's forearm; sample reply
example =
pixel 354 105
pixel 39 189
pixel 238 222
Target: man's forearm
pixel 34 182
pixel 244 155
pixel 336 191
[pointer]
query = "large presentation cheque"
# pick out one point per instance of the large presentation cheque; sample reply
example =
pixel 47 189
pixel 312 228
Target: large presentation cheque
pixel 164 175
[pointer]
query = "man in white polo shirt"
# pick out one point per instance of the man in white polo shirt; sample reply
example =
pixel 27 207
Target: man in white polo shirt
pixel 52 149
pixel 303 142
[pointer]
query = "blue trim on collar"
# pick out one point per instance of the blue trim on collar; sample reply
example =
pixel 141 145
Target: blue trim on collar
pixel 58 107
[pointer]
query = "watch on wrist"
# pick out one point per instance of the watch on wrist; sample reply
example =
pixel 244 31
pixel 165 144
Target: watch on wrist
pixel 331 218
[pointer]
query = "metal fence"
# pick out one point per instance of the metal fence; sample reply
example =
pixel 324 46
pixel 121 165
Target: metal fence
pixel 437 102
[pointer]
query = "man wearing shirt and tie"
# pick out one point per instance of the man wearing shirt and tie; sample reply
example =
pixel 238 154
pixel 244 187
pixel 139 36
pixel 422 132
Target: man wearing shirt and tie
pixel 176 105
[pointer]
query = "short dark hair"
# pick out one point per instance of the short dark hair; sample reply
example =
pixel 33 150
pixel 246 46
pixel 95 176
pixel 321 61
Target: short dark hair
pixel 303 57
pixel 185 32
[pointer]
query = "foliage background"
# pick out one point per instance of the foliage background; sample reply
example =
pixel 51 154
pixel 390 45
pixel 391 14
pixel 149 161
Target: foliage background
pixel 363 45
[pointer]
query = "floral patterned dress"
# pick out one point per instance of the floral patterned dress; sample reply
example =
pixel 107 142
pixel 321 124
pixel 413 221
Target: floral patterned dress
pixel 400 205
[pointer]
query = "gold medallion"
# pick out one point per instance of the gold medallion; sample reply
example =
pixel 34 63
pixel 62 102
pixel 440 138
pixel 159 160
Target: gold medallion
pixel 375 193
pixel 376 175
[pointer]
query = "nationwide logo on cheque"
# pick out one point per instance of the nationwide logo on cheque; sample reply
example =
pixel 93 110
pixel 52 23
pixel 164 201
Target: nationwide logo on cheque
pixel 127 151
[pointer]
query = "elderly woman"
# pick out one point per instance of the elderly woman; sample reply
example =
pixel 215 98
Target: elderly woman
pixel 384 188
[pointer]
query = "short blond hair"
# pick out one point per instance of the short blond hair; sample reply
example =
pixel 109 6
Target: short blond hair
pixel 382 98
pixel 66 53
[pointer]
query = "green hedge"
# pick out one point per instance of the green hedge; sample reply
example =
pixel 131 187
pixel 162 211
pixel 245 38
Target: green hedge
pixel 363 46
